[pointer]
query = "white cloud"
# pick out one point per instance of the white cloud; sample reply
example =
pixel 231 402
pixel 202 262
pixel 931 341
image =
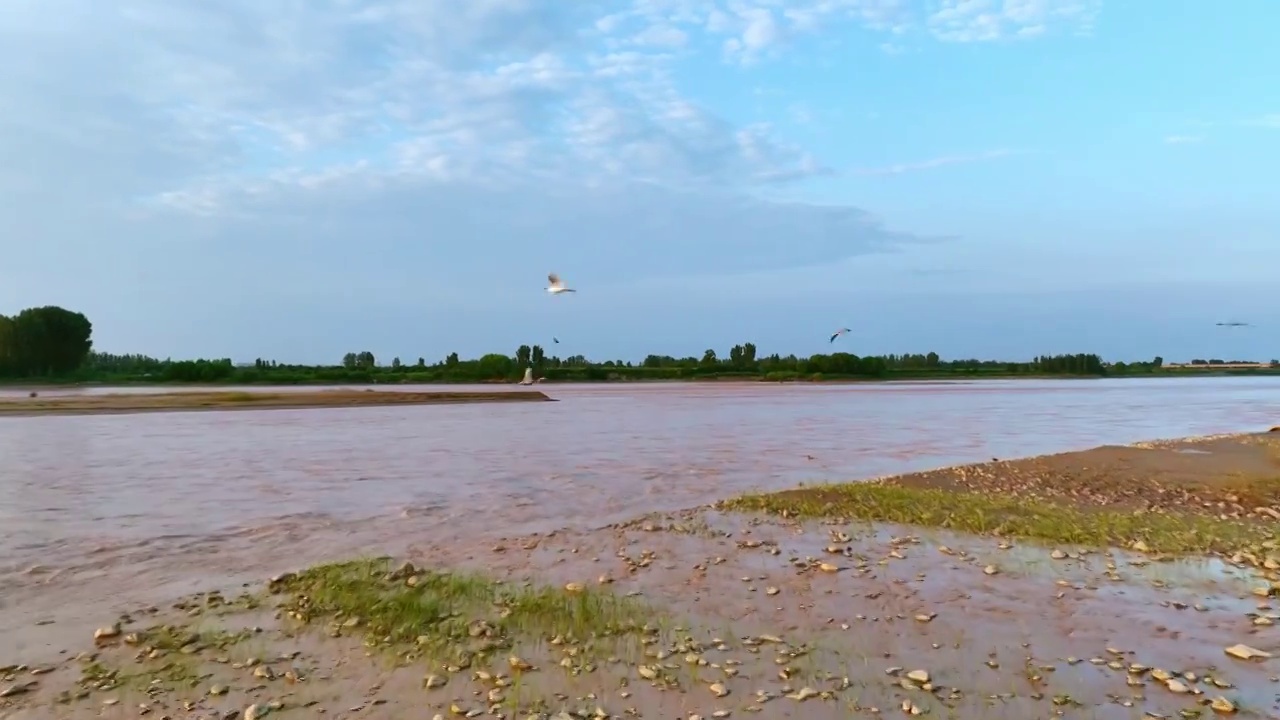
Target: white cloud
pixel 988 20
pixel 932 163
pixel 1183 139
pixel 1266 121
pixel 291 148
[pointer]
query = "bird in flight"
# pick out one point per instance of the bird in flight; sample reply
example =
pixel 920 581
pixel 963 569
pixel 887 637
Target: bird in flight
pixel 556 285
pixel 838 333
pixel 1233 324
pixel 555 340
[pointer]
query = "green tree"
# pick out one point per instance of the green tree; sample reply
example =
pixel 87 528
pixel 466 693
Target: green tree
pixel 709 357
pixel 49 340
pixel 494 366
pixel 395 363
pixel 538 356
pixel 350 361
pixel 6 347
pixel 523 355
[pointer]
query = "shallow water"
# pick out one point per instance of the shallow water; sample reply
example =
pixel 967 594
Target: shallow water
pixel 159 500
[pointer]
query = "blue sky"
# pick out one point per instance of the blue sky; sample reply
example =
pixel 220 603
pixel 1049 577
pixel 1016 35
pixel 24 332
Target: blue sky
pixel 993 178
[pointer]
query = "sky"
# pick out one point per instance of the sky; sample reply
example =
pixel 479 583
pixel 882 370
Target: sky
pixel 297 179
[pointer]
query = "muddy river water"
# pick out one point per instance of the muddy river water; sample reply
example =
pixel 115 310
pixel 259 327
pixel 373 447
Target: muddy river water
pixel 151 505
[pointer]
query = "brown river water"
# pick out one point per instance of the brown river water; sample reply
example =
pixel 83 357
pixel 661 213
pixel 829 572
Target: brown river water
pixel 145 507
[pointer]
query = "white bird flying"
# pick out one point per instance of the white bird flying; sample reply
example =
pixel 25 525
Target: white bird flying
pixel 556 285
pixel 838 333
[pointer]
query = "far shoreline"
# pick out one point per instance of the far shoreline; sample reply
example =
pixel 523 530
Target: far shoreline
pixel 45 384
pixel 119 404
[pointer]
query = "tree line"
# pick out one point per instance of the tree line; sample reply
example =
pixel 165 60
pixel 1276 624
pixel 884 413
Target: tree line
pixel 50 343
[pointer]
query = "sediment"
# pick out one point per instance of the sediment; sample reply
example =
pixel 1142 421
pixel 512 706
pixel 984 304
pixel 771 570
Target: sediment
pixel 801 604
pixel 190 401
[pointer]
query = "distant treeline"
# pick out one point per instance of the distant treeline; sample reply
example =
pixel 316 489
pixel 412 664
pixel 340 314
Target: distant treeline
pixel 53 345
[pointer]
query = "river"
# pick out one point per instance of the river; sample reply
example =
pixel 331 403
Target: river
pixel 147 504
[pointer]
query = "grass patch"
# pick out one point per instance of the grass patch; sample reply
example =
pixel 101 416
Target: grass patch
pixel 1012 517
pixel 455 614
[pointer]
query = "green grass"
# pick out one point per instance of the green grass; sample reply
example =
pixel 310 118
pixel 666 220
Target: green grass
pixel 1012 517
pixel 454 613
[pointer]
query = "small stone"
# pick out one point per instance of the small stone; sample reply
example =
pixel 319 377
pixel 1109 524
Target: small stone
pixel 16 689
pixel 718 689
pixel 803 694
pixel 108 632
pixel 991 569
pixel 1222 705
pixel 771 591
pixel 254 711
pixel 1058 555
pixel 1177 686
pixel 919 676
pixel 574 587
pixel 1244 652
pixel 434 681
pixel 926 617
pixel 218 690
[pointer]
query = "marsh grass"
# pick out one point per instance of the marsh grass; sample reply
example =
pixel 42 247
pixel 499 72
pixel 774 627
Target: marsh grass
pixel 455 615
pixel 1010 517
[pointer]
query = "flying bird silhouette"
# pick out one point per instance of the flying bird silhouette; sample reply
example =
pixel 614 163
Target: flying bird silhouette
pixel 1233 324
pixel 556 285
pixel 837 334
pixel 555 340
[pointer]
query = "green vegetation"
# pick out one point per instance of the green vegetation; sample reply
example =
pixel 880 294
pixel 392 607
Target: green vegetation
pixel 44 341
pixel 53 345
pixel 452 613
pixel 1006 516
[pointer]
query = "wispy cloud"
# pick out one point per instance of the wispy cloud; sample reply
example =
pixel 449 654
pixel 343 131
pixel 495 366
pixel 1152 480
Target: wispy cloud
pixel 1271 121
pixel 1183 139
pixel 933 163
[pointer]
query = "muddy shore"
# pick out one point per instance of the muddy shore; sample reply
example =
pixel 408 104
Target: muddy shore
pixel 977 600
pixel 239 400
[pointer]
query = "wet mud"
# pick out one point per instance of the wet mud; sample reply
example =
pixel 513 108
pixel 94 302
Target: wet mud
pixel 1222 476
pixel 703 613
pixel 748 617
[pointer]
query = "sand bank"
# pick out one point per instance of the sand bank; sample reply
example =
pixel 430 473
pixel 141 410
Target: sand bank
pixel 186 401
pixel 802 604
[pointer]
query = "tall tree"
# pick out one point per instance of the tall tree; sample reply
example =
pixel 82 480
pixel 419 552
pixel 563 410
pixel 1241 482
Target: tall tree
pixel 49 340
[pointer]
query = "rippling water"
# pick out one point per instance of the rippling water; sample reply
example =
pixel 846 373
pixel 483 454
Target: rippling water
pixel 151 497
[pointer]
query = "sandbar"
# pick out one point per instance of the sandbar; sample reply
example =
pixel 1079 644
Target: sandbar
pixel 119 403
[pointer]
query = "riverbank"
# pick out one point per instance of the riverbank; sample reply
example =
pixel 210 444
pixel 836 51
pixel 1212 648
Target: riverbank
pixel 190 401
pixel 1107 583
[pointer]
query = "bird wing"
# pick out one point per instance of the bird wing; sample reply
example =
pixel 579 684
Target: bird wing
pixel 554 279
pixel 833 337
